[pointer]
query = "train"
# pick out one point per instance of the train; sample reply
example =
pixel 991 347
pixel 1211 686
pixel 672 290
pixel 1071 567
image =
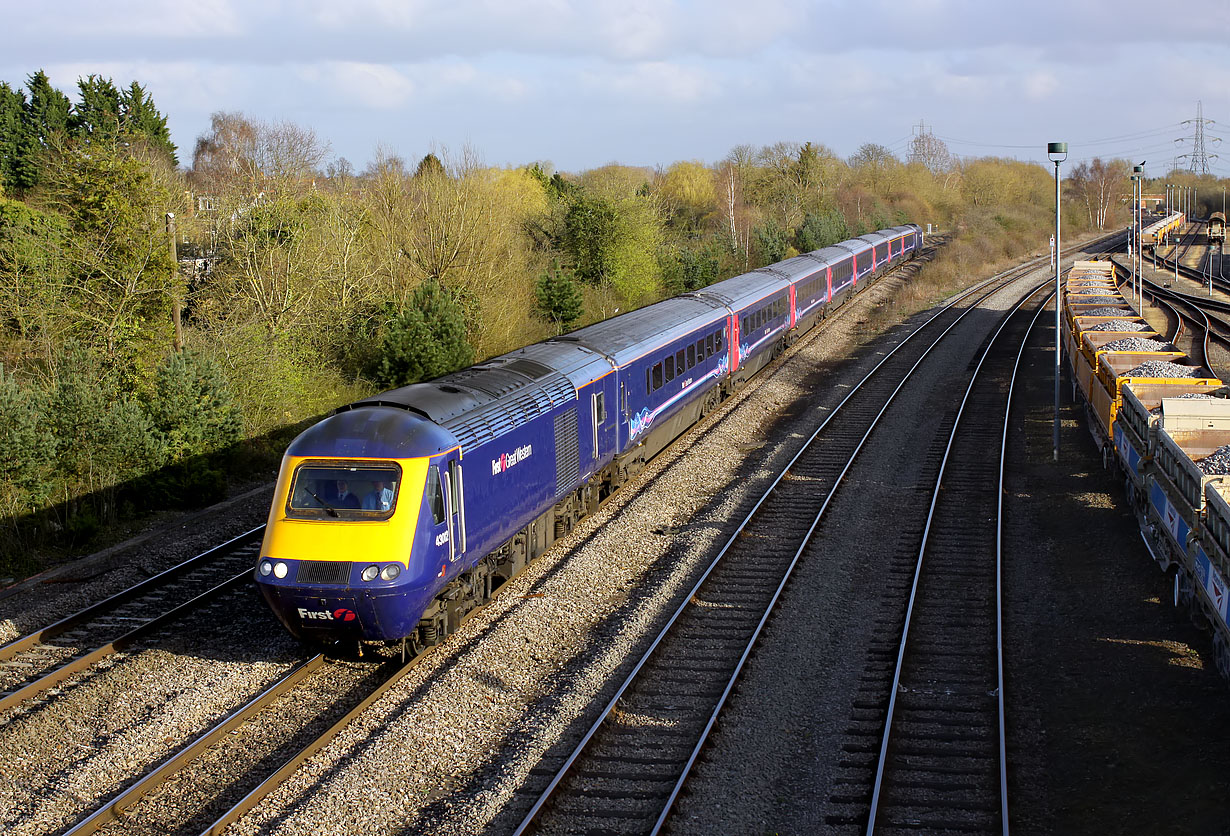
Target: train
pixel 1217 227
pixel 399 514
pixel 1164 423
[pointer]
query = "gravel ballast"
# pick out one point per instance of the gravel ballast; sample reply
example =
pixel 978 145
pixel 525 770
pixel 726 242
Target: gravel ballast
pixel 1161 368
pixel 1119 325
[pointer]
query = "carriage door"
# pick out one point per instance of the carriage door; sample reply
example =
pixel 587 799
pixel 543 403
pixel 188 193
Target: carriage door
pixel 454 509
pixel 599 418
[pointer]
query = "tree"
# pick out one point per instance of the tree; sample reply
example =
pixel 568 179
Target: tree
pixel 590 228
pixel 688 269
pixel 12 131
pixel 140 118
pixel 192 409
pixel 430 166
pixel 560 300
pixel 931 152
pixel 45 125
pixel 96 118
pixel 1097 184
pixel 117 260
pixel 33 279
pixel 820 230
pixel 873 165
pixel 770 242
pixel 687 189
pixel 27 449
pixel 424 341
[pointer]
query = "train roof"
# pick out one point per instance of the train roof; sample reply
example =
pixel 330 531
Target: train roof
pixel 745 289
pixel 630 335
pixel 483 401
pixel 373 432
pixel 797 268
pixel 854 245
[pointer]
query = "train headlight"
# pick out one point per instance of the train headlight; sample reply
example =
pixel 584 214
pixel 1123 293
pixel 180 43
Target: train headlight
pixel 280 569
pixel 266 567
pixel 391 571
pixel 370 573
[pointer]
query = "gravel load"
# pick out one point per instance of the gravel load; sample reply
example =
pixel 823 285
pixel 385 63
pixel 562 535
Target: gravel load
pixel 1103 312
pixel 1216 463
pixel 1160 368
pixel 1079 299
pixel 1119 325
pixel 1138 344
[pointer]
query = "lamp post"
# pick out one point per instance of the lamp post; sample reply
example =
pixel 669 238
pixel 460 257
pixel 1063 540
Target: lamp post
pixel 1134 232
pixel 1057 152
pixel 1140 237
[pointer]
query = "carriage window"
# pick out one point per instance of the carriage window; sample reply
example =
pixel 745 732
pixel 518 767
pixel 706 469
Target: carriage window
pixel 680 360
pixel 435 495
pixel 657 376
pixel 709 346
pixel 342 490
pixel 670 368
pixel 719 339
pixel 691 356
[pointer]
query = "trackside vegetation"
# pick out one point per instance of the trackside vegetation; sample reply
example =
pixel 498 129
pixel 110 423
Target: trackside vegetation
pixel 167 324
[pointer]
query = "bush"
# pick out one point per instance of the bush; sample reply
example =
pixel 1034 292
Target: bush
pixel 559 298
pixel 192 409
pixel 424 341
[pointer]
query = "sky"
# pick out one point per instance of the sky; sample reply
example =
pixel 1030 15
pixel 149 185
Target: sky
pixel 581 83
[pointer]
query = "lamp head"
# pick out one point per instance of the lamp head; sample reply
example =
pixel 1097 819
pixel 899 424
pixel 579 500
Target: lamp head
pixel 1057 151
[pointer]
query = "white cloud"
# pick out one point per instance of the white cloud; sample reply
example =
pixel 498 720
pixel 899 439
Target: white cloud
pixel 653 81
pixel 375 86
pixel 1040 85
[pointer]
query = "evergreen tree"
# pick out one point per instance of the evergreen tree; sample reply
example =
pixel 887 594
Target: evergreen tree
pixel 590 228
pixel 27 448
pixel 140 118
pixel 771 243
pixel 689 269
pixel 820 230
pixel 12 127
pixel 192 409
pixel 426 340
pixel 45 124
pixel 96 118
pixel 559 298
pixel 430 166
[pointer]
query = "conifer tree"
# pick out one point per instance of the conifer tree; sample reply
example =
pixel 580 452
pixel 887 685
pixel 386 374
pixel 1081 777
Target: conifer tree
pixel 559 298
pixel 426 340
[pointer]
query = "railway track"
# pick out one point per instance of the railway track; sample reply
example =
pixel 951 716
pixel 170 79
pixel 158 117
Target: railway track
pixel 214 779
pixel 629 768
pixel 942 761
pixel 39 661
pixel 1209 317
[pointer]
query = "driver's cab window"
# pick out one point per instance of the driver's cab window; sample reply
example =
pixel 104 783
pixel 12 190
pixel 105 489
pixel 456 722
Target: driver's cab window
pixel 435 495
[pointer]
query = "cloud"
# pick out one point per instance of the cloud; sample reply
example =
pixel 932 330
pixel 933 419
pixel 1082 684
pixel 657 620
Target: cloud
pixel 374 86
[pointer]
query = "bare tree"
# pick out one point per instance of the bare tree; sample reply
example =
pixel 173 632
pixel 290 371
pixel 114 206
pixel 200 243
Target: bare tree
pixel 1097 185
pixel 931 152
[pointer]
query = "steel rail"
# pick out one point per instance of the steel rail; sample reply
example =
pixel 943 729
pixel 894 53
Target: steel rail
pixel 279 776
pixel 115 809
pixel 544 798
pixel 83 616
pixel 80 663
pixel 901 654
